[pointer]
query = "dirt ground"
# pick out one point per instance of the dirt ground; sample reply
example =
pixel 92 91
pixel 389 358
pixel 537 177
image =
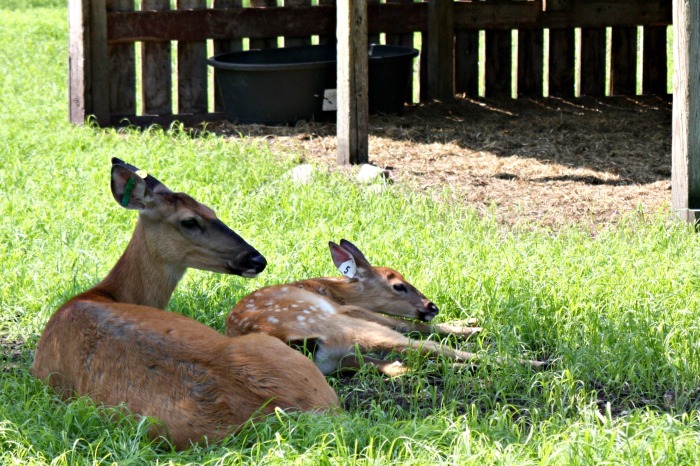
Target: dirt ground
pixel 549 162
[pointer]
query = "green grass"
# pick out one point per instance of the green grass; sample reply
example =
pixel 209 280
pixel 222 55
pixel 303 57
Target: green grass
pixel 617 310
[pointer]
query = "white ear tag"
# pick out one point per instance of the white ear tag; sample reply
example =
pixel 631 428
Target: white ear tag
pixel 348 268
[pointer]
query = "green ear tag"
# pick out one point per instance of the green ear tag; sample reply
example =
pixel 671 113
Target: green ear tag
pixel 127 192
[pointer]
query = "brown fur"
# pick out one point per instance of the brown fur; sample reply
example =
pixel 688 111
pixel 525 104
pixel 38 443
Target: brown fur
pixel 113 343
pixel 344 313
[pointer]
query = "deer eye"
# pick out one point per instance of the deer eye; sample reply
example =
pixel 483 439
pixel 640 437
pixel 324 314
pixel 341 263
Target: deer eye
pixel 189 223
pixel 400 287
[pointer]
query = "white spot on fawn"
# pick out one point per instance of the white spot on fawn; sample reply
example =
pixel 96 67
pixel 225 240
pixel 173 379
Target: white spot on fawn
pixel 273 320
pixel 301 318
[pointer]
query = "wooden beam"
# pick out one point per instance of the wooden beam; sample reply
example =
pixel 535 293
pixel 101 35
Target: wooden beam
pixel 391 18
pixel 353 82
pixel 685 174
pixel 80 103
pixel 441 40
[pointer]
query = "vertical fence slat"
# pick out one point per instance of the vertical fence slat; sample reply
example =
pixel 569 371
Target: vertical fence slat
pixel 122 69
pixel 654 61
pixel 267 42
pixel 402 40
pixel 224 46
pixel 441 49
pixel 561 62
pixel 530 63
pixel 467 62
pixel 156 69
pixel 623 59
pixel 192 69
pixel 292 41
pixel 593 61
pixel 498 68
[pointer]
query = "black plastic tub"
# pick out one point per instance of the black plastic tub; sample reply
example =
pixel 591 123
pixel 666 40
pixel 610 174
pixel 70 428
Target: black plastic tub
pixel 283 86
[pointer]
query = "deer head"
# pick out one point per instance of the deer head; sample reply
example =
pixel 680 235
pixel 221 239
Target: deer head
pixel 178 231
pixel 380 289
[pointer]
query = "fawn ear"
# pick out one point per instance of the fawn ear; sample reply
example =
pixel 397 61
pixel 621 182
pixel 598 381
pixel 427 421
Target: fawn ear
pixel 343 260
pixel 132 188
pixel 355 251
pixel 349 261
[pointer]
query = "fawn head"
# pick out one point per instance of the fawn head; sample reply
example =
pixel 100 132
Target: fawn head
pixel 178 230
pixel 380 289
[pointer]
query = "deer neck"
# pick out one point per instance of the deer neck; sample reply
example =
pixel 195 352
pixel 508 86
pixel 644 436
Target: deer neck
pixel 343 291
pixel 140 275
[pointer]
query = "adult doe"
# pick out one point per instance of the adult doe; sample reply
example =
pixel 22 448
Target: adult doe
pixel 338 314
pixel 115 344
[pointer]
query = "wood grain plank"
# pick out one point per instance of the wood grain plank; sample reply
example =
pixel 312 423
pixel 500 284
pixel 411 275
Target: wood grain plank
pixel 654 61
pixel 685 146
pixel 121 68
pixel 192 79
pixel 440 50
pixel 623 61
pixel 498 66
pixel 561 62
pixel 593 61
pixel 530 63
pixel 353 86
pixel 156 69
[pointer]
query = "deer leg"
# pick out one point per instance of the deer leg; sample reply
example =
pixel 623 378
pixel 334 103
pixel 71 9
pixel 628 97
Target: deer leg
pixel 386 367
pixel 459 328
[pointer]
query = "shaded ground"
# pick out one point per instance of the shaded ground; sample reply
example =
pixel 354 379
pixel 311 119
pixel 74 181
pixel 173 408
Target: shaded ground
pixel 547 161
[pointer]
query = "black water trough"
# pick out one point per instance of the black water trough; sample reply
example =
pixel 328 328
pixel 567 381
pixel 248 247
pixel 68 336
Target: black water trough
pixel 283 86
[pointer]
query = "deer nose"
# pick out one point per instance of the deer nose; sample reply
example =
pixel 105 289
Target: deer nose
pixel 257 263
pixel 430 311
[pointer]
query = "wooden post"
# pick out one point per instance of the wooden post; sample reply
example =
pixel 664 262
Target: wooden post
pixel 686 110
pixel 441 49
pixel 353 82
pixel 87 52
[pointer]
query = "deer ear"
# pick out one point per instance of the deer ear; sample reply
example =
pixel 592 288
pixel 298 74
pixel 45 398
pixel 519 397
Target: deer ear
pixel 133 188
pixel 356 253
pixel 343 260
pixel 129 189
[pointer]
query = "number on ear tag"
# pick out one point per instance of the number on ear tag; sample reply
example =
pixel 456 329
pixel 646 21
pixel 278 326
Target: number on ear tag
pixel 348 268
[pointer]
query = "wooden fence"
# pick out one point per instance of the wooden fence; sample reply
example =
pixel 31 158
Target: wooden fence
pixel 147 63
